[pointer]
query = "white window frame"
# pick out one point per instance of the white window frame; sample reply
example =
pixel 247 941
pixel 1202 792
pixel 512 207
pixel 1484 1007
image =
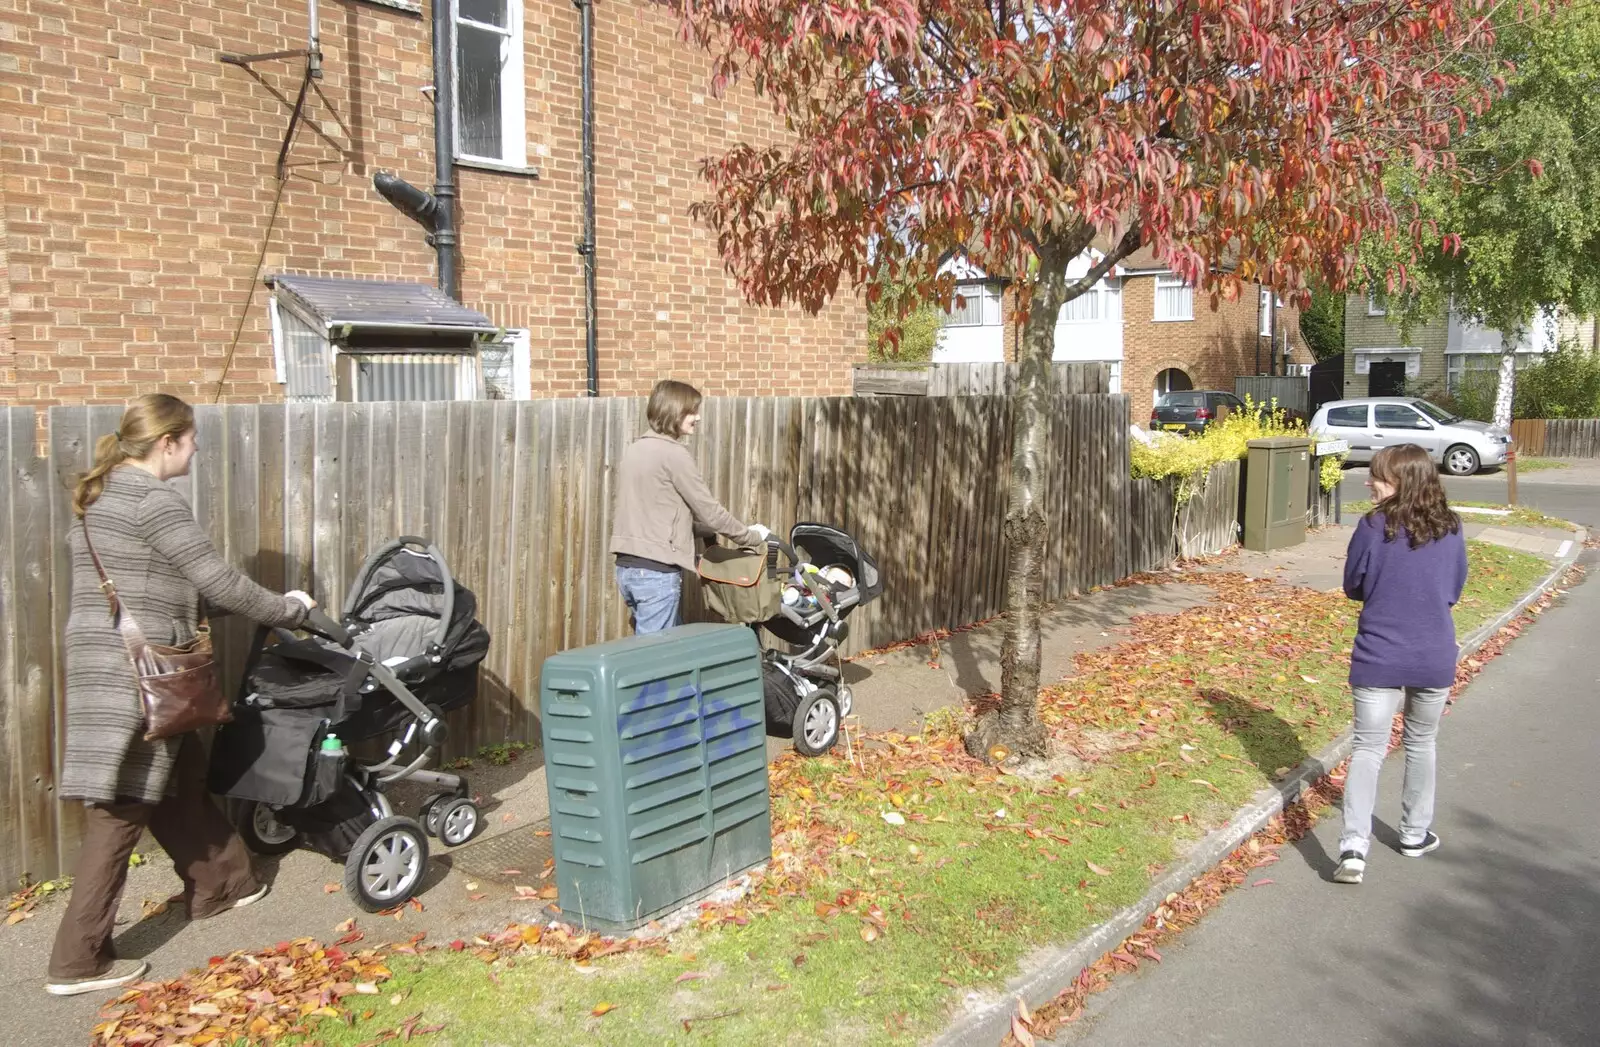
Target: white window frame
pixel 1455 366
pixel 1264 309
pixel 1377 302
pixel 513 114
pixel 1168 282
pixel 983 295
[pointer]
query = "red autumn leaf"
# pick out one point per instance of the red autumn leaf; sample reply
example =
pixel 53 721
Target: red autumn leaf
pixel 1262 882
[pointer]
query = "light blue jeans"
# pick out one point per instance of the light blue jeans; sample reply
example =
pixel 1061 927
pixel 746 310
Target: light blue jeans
pixel 652 596
pixel 1375 709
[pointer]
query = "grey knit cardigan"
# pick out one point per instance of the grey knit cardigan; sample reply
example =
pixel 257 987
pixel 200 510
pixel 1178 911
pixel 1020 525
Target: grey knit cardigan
pixel 162 564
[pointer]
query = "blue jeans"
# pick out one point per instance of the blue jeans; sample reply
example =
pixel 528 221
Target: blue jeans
pixel 652 596
pixel 1375 709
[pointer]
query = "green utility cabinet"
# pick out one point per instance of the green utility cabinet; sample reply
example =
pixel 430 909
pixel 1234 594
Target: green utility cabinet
pixel 656 763
pixel 1277 474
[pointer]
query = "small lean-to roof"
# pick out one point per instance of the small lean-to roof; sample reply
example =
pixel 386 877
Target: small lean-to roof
pixel 343 302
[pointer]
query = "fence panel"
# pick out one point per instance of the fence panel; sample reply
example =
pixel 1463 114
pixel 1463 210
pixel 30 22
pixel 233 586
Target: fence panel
pixel 1292 393
pixel 1208 522
pixel 1151 519
pixel 1572 437
pixel 974 379
pixel 1528 435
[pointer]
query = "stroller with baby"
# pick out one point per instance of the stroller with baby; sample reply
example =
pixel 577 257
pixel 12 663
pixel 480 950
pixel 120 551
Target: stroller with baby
pixel 404 654
pixel 802 593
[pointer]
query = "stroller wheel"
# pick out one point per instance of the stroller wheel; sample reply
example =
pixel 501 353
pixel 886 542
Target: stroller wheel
pixel 428 813
pixel 816 724
pixel 387 864
pixel 847 700
pixel 263 832
pixel 457 822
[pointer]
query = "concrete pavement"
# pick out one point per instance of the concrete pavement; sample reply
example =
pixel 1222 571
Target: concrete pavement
pixel 1488 941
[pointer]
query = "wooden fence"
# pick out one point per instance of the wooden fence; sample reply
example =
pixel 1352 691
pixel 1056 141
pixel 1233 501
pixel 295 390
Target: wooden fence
pixel 1292 393
pixel 1208 523
pixel 1557 437
pixel 518 495
pixel 991 379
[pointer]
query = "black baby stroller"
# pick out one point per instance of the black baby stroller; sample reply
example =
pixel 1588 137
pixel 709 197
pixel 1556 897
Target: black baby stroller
pixel 805 605
pixel 405 653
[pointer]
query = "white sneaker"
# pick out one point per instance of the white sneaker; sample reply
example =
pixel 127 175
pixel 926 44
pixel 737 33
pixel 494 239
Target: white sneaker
pixel 1352 868
pixel 251 899
pixel 122 972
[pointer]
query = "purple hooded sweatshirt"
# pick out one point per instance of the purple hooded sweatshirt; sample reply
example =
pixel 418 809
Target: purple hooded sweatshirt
pixel 1406 637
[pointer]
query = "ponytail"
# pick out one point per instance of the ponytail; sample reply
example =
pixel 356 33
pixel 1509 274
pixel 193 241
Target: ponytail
pixel 147 421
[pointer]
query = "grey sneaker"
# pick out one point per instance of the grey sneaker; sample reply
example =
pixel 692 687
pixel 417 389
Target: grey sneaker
pixel 1352 867
pixel 1428 844
pixel 120 973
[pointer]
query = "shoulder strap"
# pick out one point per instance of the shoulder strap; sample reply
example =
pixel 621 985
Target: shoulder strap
pixel 132 635
pixel 107 587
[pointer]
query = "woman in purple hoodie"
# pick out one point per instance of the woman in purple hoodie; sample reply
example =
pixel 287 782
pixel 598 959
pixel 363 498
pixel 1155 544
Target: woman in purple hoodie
pixel 1407 564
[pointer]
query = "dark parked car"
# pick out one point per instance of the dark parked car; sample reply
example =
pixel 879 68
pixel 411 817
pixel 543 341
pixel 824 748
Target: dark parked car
pixel 1193 409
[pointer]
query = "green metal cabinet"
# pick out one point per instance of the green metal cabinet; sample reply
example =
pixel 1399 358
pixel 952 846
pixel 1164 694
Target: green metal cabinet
pixel 656 763
pixel 1277 475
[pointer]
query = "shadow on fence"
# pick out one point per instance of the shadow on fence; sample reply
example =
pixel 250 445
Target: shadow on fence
pixel 518 496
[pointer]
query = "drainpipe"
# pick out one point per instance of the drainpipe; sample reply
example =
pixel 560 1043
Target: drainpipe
pixel 444 149
pixel 586 247
pixel 313 42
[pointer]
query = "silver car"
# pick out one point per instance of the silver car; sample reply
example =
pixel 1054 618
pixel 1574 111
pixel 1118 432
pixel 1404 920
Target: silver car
pixel 1371 423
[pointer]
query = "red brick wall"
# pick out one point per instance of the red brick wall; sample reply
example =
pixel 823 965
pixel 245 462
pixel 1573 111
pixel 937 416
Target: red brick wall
pixel 1213 349
pixel 136 180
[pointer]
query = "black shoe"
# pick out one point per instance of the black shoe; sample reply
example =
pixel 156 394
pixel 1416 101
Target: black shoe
pixel 1429 842
pixel 1352 867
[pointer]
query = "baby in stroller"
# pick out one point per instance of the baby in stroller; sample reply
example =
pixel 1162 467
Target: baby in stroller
pixel 802 593
pixel 404 654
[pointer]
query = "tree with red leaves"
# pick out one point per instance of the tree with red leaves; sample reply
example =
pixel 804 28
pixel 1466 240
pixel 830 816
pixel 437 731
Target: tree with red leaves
pixel 1240 140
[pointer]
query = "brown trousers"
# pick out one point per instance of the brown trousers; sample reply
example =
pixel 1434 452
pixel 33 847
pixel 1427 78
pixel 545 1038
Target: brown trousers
pixel 206 852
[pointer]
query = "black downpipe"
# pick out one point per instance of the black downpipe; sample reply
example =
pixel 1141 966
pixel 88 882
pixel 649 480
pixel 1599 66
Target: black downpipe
pixel 587 246
pixel 444 149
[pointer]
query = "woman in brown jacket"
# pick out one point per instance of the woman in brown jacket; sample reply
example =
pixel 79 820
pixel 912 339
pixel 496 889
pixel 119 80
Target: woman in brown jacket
pixel 163 565
pixel 661 502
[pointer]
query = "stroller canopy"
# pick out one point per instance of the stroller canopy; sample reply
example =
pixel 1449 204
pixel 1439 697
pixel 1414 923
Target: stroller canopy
pixel 828 547
pixel 407 604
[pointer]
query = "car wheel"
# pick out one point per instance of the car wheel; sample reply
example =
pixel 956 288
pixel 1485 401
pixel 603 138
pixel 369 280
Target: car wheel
pixel 1461 460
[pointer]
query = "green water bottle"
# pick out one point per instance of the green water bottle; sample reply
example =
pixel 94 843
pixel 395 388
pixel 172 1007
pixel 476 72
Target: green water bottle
pixel 332 745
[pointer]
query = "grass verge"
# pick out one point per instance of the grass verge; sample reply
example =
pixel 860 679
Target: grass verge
pixel 1517 515
pixel 1540 465
pixel 914 873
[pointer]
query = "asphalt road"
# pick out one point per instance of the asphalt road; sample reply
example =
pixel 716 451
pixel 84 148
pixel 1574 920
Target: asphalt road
pixel 1488 941
pixel 1572 493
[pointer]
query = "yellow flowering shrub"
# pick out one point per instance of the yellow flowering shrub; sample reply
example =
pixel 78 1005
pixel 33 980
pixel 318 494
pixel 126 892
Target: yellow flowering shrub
pixel 1189 459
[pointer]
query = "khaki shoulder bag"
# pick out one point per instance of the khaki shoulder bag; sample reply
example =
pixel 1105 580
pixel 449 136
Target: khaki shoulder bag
pixel 178 686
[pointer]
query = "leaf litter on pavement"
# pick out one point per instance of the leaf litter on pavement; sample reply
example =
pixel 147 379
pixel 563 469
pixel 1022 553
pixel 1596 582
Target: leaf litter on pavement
pixel 1159 738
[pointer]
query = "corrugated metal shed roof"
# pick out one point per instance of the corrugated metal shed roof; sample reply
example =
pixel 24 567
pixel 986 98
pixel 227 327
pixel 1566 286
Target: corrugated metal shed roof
pixel 379 303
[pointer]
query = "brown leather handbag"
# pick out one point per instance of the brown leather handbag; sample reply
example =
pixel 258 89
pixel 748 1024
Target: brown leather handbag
pixel 178 686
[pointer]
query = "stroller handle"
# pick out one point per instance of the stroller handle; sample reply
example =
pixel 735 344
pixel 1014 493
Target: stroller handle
pixel 320 623
pixel 774 542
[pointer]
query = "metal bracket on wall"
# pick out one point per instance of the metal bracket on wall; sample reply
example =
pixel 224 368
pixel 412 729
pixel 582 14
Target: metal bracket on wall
pixel 297 109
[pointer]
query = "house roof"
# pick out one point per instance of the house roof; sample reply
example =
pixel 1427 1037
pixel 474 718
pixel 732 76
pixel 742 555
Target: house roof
pixel 341 302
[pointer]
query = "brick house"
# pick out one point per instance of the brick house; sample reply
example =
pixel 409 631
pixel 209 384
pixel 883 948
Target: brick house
pixel 1432 359
pixel 1145 323
pixel 139 188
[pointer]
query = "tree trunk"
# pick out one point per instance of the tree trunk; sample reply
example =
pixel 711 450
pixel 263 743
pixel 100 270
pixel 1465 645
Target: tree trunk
pixel 1505 389
pixel 1013 731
